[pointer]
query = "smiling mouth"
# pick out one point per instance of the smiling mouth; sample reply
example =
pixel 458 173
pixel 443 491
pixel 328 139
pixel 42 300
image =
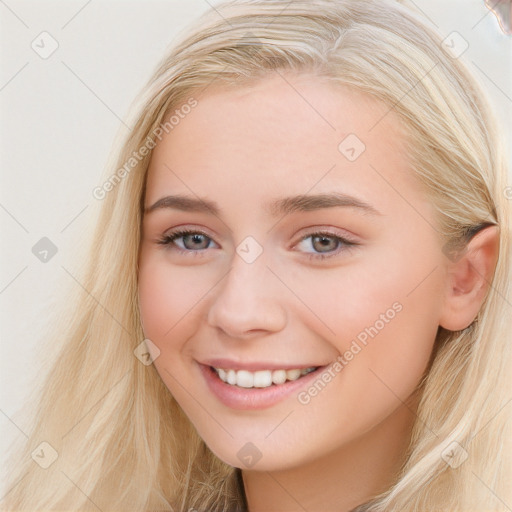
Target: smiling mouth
pixel 261 378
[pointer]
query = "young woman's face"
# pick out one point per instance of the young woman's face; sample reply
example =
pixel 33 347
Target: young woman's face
pixel 306 250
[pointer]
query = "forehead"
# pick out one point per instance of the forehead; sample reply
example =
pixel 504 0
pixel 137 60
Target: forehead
pixel 283 134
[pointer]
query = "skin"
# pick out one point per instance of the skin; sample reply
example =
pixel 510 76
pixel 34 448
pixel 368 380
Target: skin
pixel 242 148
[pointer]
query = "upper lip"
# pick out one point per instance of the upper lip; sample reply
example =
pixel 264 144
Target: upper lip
pixel 253 366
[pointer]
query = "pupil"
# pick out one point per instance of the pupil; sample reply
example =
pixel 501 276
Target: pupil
pixel 324 241
pixel 196 239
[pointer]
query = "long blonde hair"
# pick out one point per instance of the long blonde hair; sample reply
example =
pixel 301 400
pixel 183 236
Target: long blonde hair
pixel 122 442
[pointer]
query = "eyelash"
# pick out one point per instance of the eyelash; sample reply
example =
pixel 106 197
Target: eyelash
pixel 169 239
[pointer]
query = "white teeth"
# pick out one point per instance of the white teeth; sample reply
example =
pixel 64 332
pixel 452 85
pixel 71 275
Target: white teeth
pixel 279 376
pixel 231 377
pixel 261 378
pixel 244 379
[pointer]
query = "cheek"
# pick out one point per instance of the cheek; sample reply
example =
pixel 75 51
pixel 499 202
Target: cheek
pixel 167 298
pixel 396 347
pixel 384 347
pixel 384 319
pixel 157 302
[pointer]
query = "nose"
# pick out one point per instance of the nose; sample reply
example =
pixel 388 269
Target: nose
pixel 248 302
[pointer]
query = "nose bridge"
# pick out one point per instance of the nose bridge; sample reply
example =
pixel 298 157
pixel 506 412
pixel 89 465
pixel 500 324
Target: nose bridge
pixel 247 298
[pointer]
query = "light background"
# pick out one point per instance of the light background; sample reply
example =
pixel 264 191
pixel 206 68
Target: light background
pixel 59 117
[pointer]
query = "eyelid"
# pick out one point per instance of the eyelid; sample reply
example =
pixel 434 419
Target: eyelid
pixel 329 231
pixel 187 228
pixel 326 230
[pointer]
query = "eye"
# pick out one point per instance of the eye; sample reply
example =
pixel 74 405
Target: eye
pixel 329 244
pixel 191 241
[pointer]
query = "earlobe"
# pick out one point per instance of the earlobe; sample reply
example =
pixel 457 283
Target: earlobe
pixel 469 279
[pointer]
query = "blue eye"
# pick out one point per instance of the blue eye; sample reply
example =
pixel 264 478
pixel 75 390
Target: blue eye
pixel 325 240
pixel 198 239
pixel 194 237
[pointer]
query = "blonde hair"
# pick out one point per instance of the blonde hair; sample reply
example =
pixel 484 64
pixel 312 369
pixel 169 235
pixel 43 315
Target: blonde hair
pixel 122 441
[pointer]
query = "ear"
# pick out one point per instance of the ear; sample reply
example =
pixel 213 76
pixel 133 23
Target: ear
pixel 469 278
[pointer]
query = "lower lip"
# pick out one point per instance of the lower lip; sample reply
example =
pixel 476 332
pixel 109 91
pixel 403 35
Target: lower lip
pixel 253 398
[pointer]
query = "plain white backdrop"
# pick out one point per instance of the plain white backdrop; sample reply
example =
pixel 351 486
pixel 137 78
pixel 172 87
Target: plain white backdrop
pixel 59 116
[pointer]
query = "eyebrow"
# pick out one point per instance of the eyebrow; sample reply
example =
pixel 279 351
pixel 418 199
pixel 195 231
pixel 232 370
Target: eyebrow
pixel 280 206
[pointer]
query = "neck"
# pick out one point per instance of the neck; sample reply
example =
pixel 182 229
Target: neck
pixel 345 478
